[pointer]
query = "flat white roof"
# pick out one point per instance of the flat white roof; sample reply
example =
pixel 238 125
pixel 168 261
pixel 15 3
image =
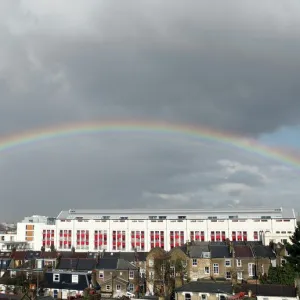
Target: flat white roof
pixel 242 213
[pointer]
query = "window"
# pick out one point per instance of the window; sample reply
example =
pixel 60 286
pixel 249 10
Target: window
pixel 172 271
pixel 56 277
pixel 238 263
pixel 206 270
pixel 216 268
pixel 101 275
pixel 239 275
pixel 203 297
pixel 187 296
pixel 74 278
pixel 118 287
pixel 251 269
pixel 151 274
pixel 228 263
pixel 108 287
pixel 194 261
pixel 131 287
pixel 131 274
pixel 228 275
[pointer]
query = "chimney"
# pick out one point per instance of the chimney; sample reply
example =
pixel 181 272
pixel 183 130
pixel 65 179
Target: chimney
pixel 188 247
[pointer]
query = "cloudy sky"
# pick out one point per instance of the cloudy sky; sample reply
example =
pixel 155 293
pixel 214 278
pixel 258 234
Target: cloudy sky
pixel 226 65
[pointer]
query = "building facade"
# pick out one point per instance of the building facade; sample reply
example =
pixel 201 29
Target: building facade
pixel 143 230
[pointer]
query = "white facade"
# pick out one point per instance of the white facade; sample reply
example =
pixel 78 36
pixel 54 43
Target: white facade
pixel 125 230
pixel 9 241
pixel 8 236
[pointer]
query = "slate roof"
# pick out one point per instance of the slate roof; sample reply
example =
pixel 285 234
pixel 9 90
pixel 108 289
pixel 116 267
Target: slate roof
pixel 86 264
pixel 110 255
pixel 271 290
pixel 197 250
pixel 206 287
pixel 49 255
pixel 107 263
pixel 68 264
pixel 32 255
pixel 263 251
pixel 219 251
pixel 5 255
pixel 66 281
pixel 242 251
pixel 132 256
pixel 125 265
pixel 70 254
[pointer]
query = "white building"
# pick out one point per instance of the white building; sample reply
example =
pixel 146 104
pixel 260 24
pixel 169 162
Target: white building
pixel 126 230
pixel 9 241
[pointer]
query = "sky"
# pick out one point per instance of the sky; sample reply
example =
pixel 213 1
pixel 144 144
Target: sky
pixel 231 66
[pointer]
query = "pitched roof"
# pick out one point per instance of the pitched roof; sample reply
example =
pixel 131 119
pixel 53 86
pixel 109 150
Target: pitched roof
pixel 33 255
pixel 263 251
pixel 125 265
pixel 86 264
pixel 110 254
pixel 5 255
pixel 49 255
pixel 269 290
pixel 206 287
pixel 242 251
pixel 133 256
pixel 107 263
pixel 70 254
pixel 219 251
pixel 19 255
pixel 196 251
pixel 68 264
pixel 66 281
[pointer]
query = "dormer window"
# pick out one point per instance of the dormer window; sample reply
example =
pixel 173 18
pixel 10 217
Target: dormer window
pixel 56 277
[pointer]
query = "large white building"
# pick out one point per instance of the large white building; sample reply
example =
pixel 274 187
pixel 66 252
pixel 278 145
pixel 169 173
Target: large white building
pixel 127 230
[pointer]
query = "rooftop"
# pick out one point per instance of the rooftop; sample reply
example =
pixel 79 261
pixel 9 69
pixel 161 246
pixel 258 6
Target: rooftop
pixel 161 214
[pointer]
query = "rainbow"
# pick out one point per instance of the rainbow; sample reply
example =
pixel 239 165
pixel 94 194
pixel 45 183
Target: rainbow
pixel 202 133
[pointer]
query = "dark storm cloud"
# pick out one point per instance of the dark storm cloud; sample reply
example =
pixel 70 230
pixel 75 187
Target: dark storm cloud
pixel 229 66
pixel 192 63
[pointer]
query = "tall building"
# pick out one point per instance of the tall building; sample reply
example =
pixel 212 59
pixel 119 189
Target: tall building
pixel 127 230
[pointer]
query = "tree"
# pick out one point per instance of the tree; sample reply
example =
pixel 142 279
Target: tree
pixel 293 249
pixel 52 248
pixel 279 275
pixel 168 273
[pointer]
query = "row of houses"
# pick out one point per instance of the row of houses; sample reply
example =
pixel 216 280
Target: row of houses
pixel 64 274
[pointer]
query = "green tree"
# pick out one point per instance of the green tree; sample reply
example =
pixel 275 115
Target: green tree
pixel 293 250
pixel 52 248
pixel 280 275
pixel 168 274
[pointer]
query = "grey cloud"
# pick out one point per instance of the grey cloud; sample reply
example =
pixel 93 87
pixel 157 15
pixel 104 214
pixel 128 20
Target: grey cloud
pixel 229 71
pixel 232 67
pixel 246 177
